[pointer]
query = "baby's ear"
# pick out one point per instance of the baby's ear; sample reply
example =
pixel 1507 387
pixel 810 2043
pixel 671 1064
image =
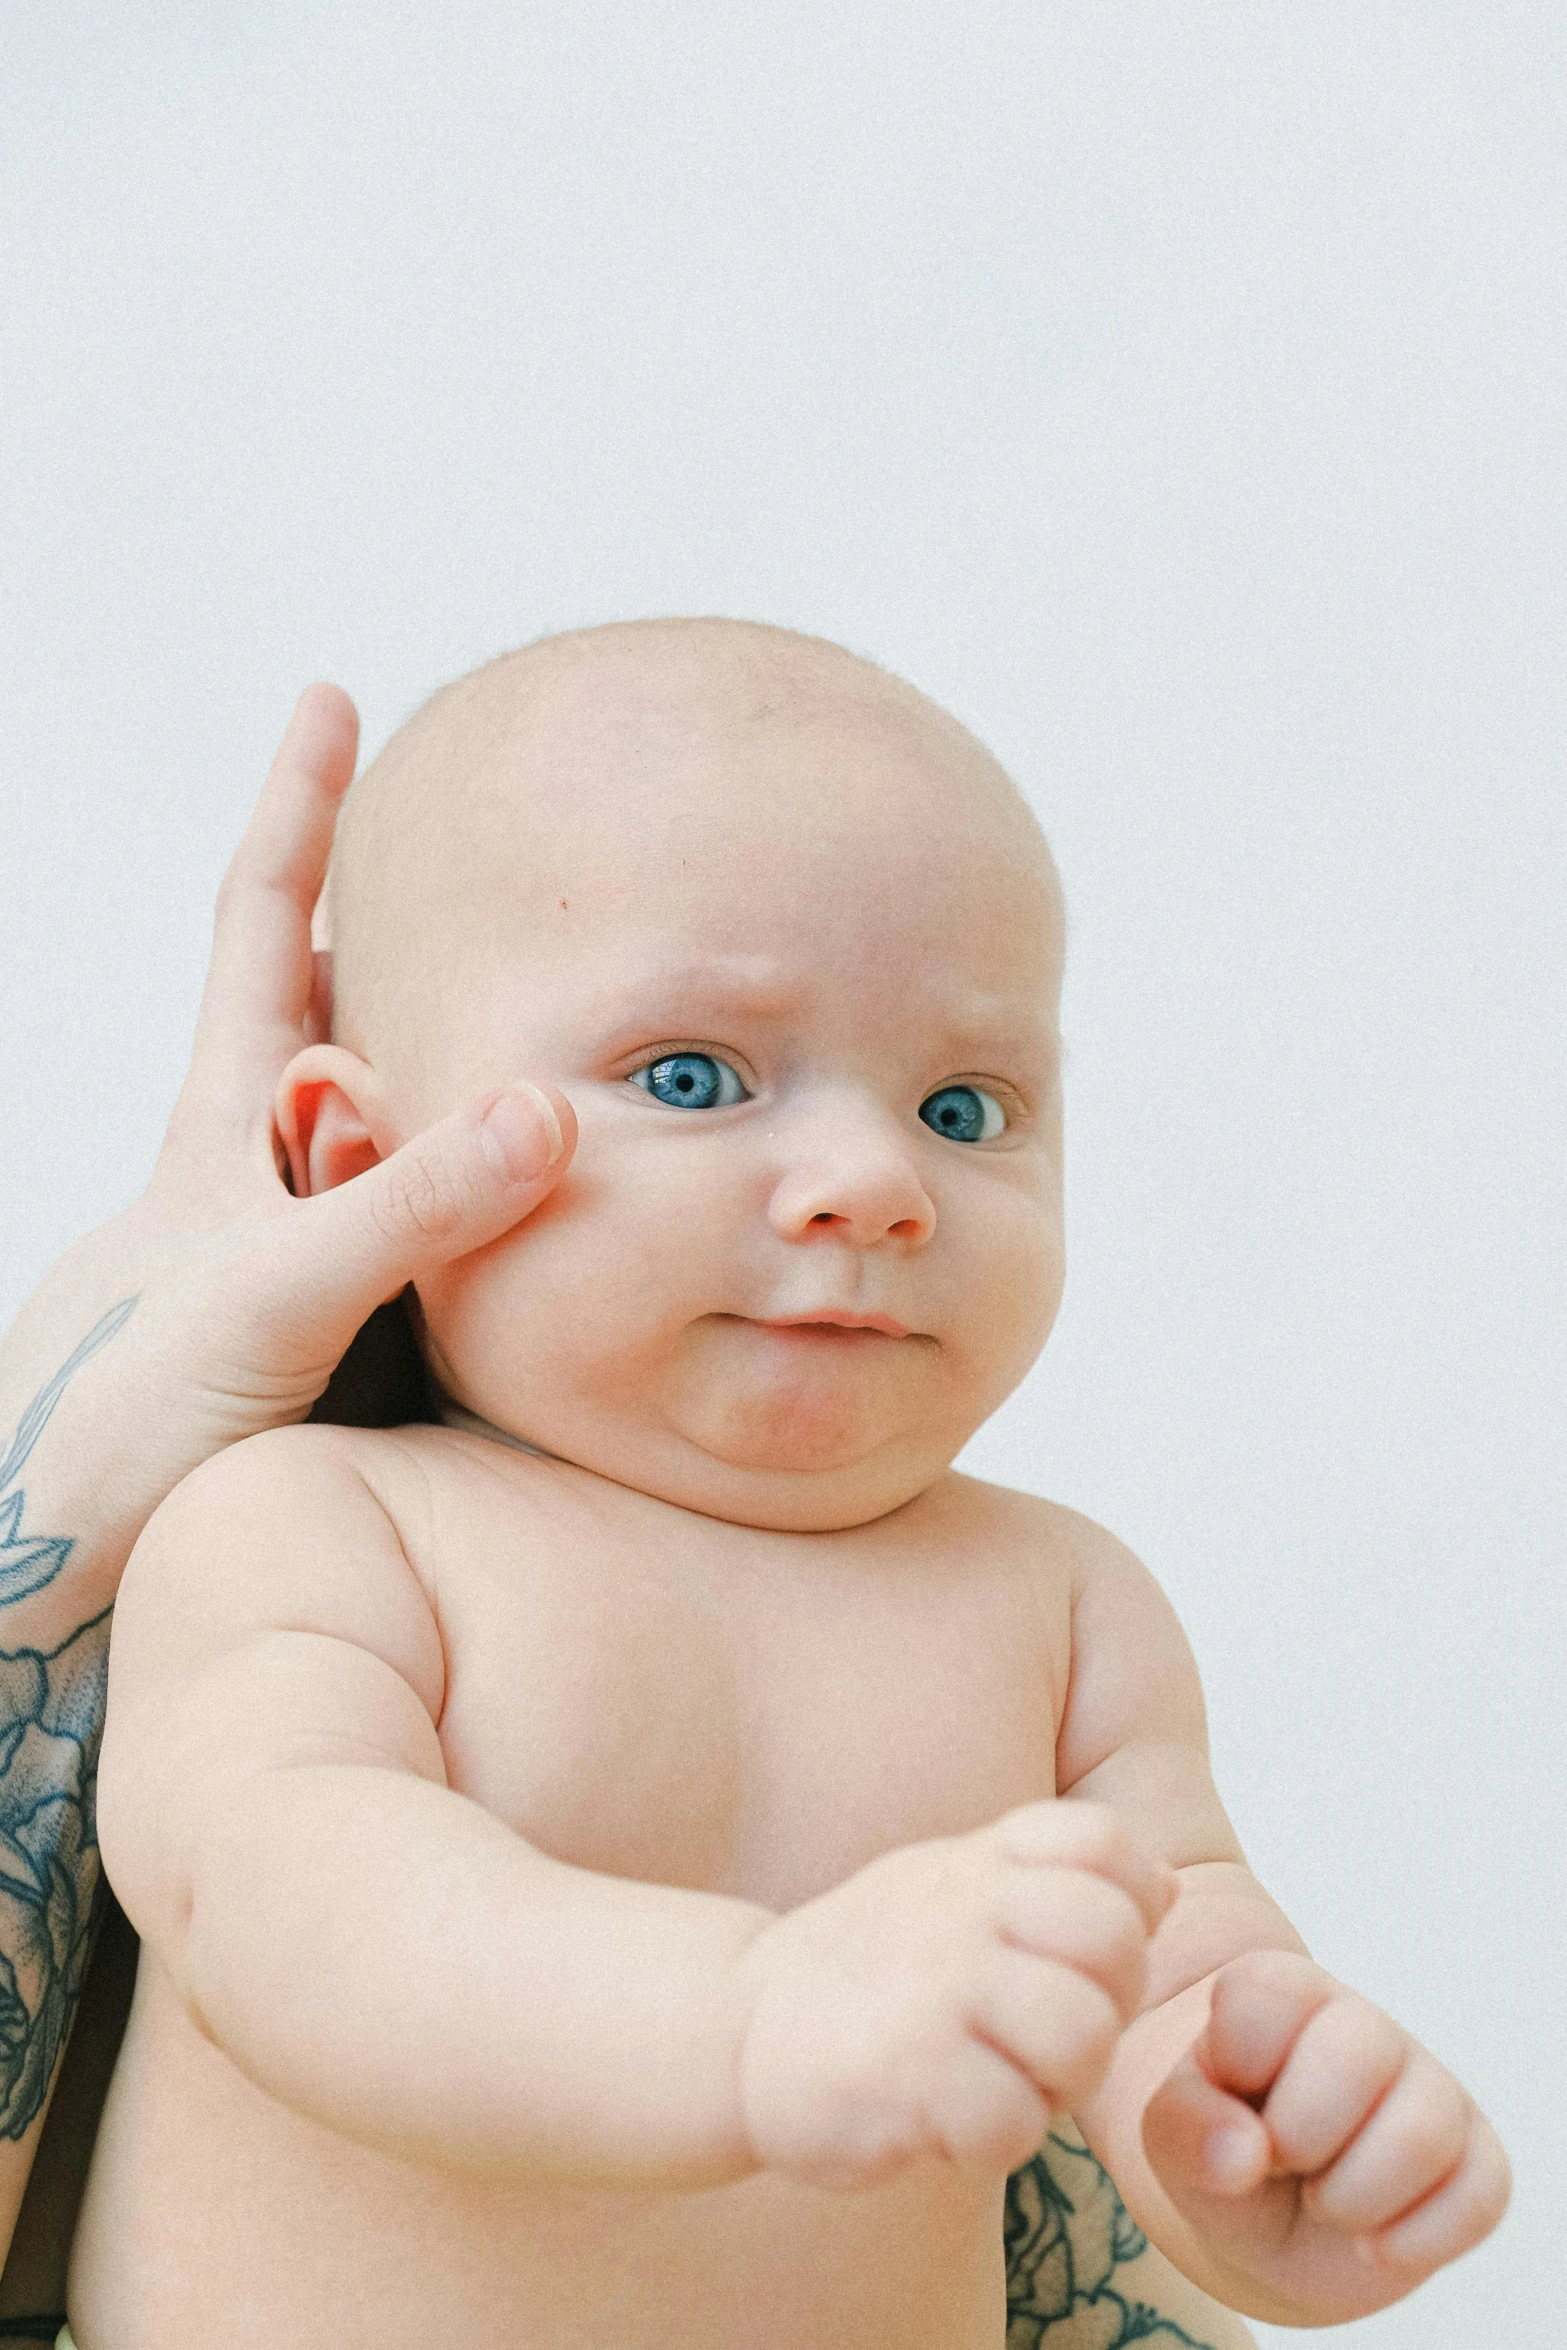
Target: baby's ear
pixel 331 1117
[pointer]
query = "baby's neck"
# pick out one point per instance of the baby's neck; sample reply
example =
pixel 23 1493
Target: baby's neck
pixel 454 1415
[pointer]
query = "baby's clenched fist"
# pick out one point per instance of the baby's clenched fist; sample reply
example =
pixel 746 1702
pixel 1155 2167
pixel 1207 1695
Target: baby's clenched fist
pixel 1327 2158
pixel 945 1998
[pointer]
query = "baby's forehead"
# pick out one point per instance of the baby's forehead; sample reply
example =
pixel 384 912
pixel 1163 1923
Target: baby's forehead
pixel 614 760
pixel 709 772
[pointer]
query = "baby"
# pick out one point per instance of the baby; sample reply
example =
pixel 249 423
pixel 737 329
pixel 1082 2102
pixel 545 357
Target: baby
pixel 639 1862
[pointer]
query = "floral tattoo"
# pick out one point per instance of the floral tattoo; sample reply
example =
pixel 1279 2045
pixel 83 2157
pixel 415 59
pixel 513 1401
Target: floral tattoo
pixel 28 1562
pixel 51 1723
pixel 1067 2232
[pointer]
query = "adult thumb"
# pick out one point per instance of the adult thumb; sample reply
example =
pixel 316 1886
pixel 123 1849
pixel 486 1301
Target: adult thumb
pixel 452 1189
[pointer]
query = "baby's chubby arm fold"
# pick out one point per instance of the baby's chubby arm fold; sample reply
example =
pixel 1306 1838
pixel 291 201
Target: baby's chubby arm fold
pixel 1355 2164
pixel 365 1943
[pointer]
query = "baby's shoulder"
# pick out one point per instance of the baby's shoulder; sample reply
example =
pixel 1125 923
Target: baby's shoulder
pixel 303 1526
pixel 1057 1540
pixel 307 1467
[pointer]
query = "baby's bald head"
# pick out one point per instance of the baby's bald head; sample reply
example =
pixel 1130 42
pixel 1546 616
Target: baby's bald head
pixel 568 780
pixel 747 866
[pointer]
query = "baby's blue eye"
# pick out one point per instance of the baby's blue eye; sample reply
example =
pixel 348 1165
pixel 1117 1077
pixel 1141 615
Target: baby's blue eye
pixel 963 1113
pixel 691 1081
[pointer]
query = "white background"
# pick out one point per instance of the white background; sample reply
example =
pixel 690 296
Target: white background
pixel 1177 392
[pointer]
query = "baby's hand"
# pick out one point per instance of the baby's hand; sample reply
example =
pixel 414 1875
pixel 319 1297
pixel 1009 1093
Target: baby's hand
pixel 943 1999
pixel 1324 2155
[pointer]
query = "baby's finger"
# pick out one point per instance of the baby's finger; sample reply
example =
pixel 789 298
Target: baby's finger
pixel 1344 2059
pixel 982 2111
pixel 1201 2141
pixel 260 975
pixel 1260 2004
pixel 1058 1833
pixel 1416 2137
pixel 1060 2028
pixel 1462 2211
pixel 1078 1920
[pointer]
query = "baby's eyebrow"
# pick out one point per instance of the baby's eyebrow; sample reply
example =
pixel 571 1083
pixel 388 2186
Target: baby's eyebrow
pixel 754 987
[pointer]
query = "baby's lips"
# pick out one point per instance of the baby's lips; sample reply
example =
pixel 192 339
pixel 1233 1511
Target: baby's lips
pixel 834 1318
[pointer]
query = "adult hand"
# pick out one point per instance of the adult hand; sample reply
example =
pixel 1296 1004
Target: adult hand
pixel 217 1305
pixel 246 1297
pixel 263 1291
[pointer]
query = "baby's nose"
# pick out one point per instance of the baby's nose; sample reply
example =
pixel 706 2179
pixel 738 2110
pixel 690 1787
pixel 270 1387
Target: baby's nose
pixel 858 1184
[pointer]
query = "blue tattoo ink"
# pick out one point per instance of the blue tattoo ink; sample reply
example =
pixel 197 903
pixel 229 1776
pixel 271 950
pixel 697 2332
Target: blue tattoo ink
pixel 51 1725
pixel 1066 2233
pixel 28 1562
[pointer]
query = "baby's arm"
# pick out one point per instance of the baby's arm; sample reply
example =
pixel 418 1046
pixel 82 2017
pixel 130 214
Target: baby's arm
pixel 1337 2122
pixel 371 1947
pixel 382 1953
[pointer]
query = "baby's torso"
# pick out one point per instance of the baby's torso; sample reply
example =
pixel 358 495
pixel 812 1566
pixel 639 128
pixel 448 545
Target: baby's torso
pixel 667 1697
pixel 655 1696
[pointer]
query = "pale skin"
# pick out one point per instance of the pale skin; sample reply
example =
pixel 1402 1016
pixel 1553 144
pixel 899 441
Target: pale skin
pixel 677 1879
pixel 251 1294
pixel 214 1306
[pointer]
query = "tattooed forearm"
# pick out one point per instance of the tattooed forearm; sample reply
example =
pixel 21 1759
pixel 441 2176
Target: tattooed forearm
pixel 51 1722
pixel 1067 2234
pixel 28 1562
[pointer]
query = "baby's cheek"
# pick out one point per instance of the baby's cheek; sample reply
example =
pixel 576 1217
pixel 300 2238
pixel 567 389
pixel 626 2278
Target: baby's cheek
pixel 562 1307
pixel 492 1313
pixel 1012 1300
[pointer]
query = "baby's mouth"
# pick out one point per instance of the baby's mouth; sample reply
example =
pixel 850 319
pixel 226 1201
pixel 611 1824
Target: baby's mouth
pixel 832 1325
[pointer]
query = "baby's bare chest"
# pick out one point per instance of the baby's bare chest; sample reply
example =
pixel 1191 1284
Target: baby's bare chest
pixel 658 1697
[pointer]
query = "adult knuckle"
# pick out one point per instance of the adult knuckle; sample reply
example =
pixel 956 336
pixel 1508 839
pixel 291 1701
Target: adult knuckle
pixel 419 1198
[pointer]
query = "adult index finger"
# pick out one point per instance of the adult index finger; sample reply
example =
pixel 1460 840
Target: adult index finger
pixel 260 974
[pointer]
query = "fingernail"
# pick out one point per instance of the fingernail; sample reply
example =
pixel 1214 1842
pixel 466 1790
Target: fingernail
pixel 520 1134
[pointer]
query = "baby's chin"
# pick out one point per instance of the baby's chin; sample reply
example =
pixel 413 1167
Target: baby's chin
pixel 805 1435
pixel 826 1431
pixel 786 1488
pixel 782 1477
